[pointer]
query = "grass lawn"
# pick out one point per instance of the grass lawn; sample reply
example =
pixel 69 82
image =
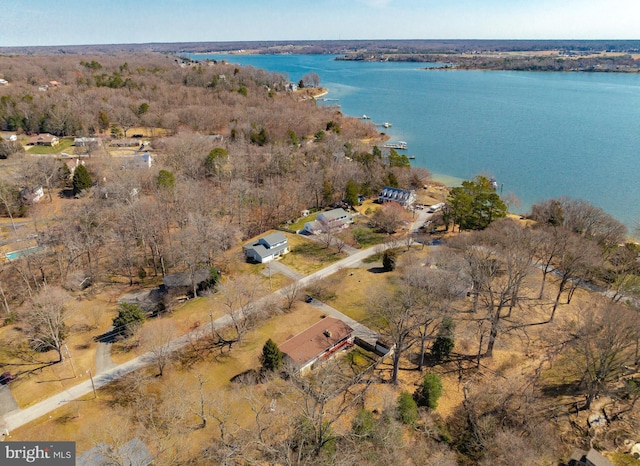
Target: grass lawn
pixel 87 318
pixel 89 421
pixel 364 235
pixel 307 256
pixel 65 143
pixel 299 225
pixel 354 288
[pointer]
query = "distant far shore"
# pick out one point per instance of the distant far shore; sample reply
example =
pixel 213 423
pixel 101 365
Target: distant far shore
pixel 344 47
pixel 549 60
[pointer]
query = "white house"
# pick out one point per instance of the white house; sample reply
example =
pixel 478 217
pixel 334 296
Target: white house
pixel 404 197
pixel 84 141
pixel 145 160
pixel 336 218
pixel 29 196
pixel 267 248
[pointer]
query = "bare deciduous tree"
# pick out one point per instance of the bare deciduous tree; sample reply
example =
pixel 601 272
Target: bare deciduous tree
pixel 240 298
pixel 156 339
pixel 602 344
pixel 45 320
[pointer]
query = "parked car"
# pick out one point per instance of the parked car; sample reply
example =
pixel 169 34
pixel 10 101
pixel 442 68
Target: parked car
pixel 308 298
pixel 5 378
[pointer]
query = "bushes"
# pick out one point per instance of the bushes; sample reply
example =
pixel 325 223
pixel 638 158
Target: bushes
pixel 444 343
pixel 429 391
pixel 363 424
pixel 407 409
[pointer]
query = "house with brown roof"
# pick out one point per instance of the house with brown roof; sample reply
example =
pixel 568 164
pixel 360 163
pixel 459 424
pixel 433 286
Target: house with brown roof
pixel 44 140
pixel 317 343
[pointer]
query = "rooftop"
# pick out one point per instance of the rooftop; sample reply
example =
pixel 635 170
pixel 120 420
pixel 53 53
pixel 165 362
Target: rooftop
pixel 315 340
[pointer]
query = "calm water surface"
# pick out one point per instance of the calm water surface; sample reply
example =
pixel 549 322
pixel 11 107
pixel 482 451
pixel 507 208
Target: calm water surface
pixel 541 135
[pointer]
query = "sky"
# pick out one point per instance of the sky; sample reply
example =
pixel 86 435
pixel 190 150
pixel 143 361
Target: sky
pixel 79 22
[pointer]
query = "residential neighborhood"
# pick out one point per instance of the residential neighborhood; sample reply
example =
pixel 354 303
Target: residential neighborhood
pixel 202 264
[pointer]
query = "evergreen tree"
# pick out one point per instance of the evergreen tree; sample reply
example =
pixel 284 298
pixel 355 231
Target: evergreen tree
pixel 475 204
pixel 398 160
pixel 351 194
pixel 271 357
pixel 295 141
pixel 429 391
pixel 81 179
pixel 389 259
pixel 166 179
pixel 216 159
pixel 407 409
pixel 392 180
pixel 129 318
pixel 444 343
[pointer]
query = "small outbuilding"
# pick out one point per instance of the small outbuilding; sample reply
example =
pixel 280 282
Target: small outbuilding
pixel 267 248
pixel 588 458
pixel 317 343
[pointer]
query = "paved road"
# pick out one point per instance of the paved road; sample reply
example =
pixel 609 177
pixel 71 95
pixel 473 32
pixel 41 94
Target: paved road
pixel 359 330
pixel 20 417
pixel 7 401
pixel 103 357
pixel 279 267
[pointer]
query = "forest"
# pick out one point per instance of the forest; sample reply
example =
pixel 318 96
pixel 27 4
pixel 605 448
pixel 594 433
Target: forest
pixel 515 340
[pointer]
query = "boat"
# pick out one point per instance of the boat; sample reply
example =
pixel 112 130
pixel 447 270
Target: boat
pixel 400 145
pixel 386 124
pixel 412 157
pixel 365 117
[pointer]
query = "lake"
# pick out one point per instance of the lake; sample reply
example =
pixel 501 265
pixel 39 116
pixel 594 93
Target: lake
pixel 541 135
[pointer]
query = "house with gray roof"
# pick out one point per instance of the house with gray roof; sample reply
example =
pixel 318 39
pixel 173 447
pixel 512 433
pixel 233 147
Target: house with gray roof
pixel 267 248
pixel 132 453
pixel 334 219
pixel 404 197
pixel 588 458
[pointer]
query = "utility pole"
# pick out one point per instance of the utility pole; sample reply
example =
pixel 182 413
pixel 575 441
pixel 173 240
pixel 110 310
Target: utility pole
pixel 95 395
pixel 212 329
pixel 66 348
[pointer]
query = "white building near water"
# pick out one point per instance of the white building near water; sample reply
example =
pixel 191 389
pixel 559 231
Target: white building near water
pixel 404 197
